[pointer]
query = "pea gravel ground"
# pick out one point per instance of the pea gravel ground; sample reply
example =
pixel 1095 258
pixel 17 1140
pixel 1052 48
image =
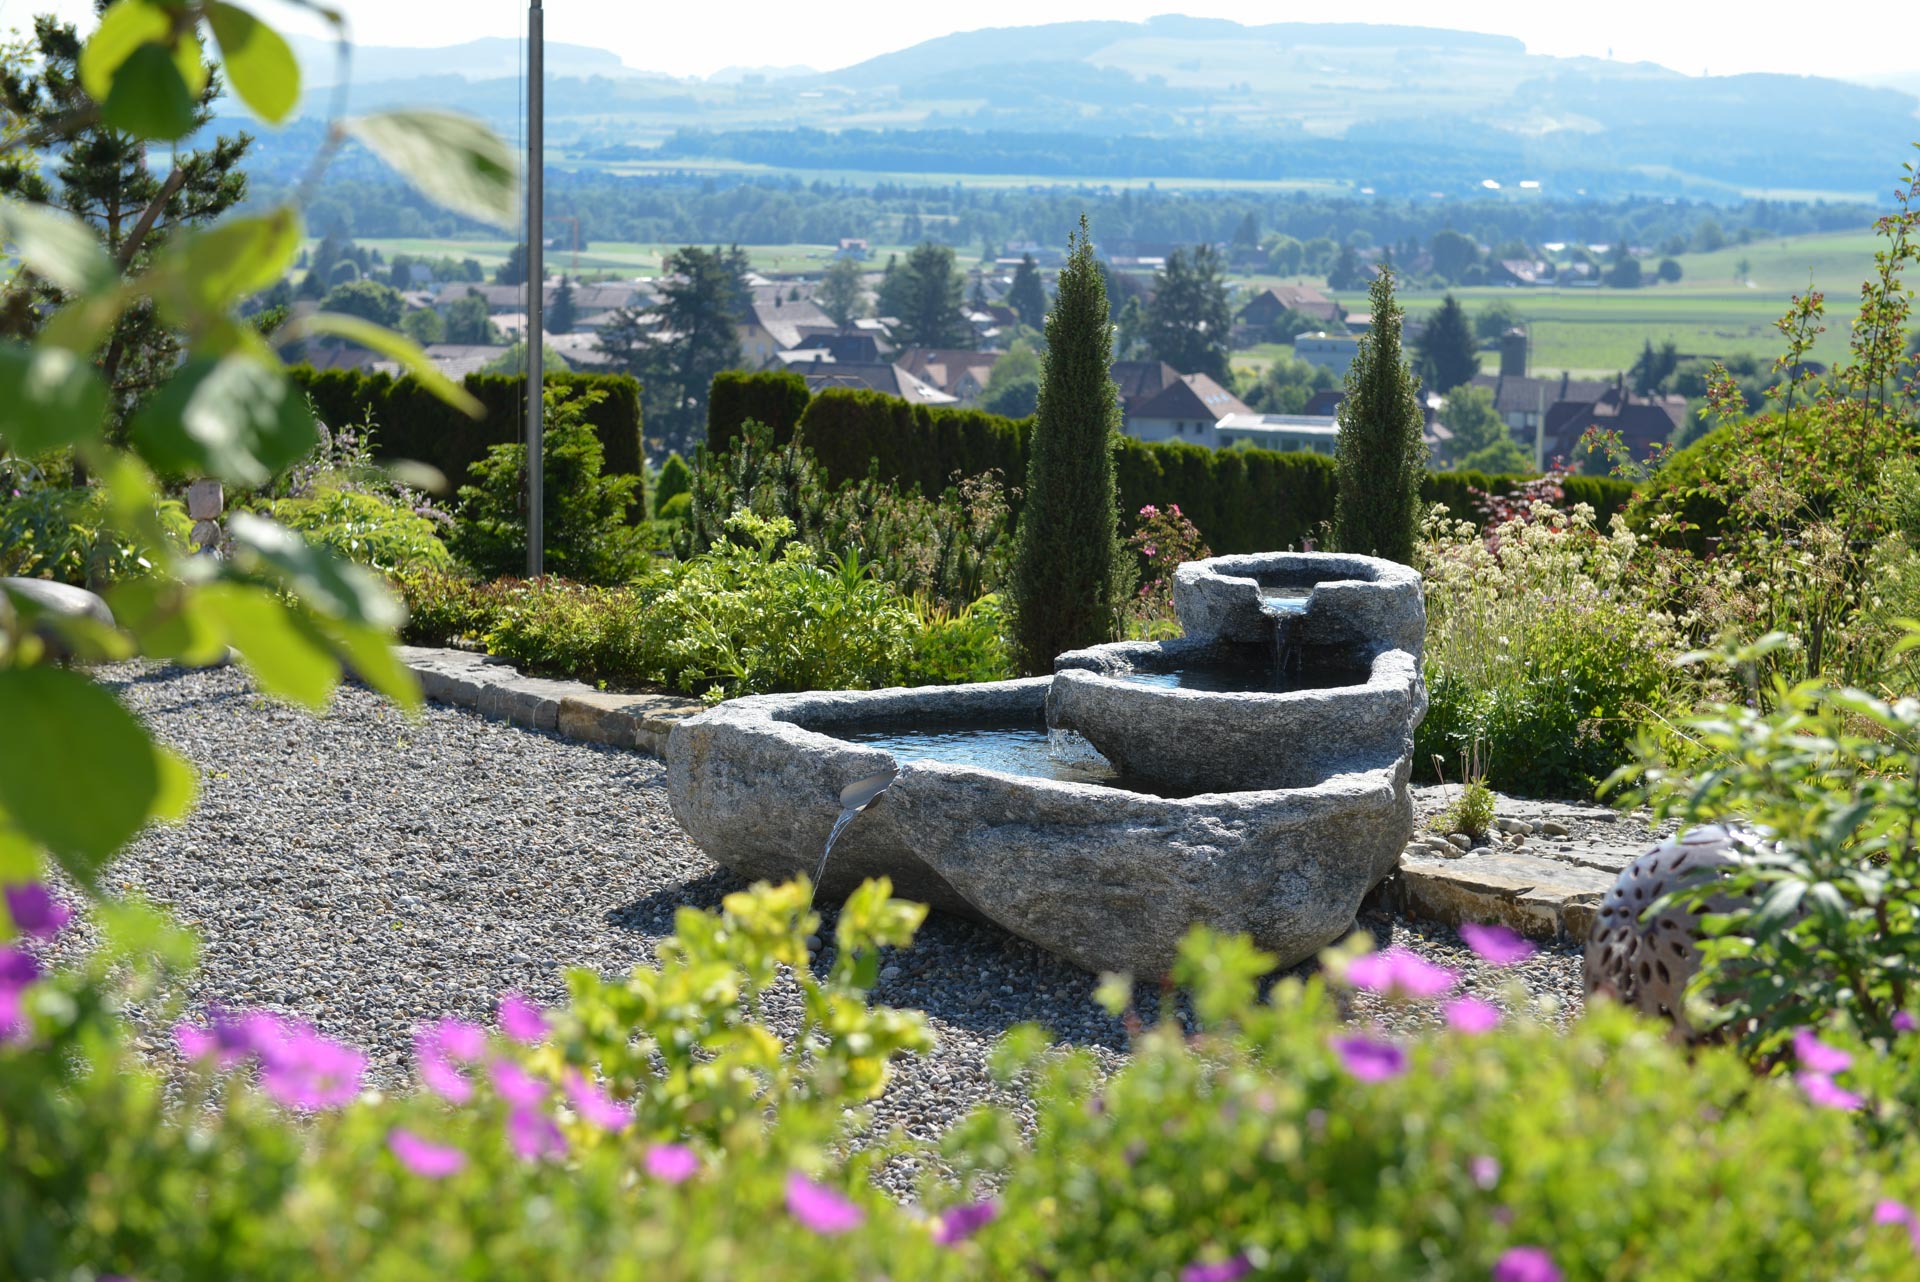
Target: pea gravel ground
pixel 365 871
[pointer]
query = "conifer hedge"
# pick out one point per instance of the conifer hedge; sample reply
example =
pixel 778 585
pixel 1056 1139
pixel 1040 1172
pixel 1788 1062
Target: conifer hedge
pixel 1242 500
pixel 410 423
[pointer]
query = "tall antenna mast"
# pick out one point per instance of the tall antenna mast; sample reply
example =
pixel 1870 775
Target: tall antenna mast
pixel 536 283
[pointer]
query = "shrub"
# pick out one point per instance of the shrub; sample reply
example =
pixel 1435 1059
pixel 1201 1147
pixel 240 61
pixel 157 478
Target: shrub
pixel 1540 645
pixel 1070 578
pixel 1163 542
pixel 1825 920
pixel 675 479
pixel 951 647
pixel 586 532
pixel 71 535
pixel 362 528
pixel 952 550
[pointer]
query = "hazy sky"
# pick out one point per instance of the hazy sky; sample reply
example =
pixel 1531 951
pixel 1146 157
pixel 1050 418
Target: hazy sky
pixel 1849 38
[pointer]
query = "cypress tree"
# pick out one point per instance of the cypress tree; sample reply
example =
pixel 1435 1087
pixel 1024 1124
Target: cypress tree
pixel 1380 456
pixel 1449 356
pixel 1067 565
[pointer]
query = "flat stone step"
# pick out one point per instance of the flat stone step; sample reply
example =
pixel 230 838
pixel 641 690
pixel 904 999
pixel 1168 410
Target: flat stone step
pixel 570 709
pixel 1541 897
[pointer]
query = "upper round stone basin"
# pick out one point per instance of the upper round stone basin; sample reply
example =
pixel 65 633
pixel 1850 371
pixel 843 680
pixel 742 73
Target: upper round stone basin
pixel 1109 877
pixel 1235 717
pixel 1321 599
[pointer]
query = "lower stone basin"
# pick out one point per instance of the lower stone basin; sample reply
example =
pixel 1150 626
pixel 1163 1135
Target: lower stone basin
pixel 1109 877
pixel 1194 714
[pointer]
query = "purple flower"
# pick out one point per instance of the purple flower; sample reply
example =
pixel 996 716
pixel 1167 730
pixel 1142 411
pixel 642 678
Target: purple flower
pixel 1496 945
pixel 520 1019
pixel 1815 1056
pixel 1471 1015
pixel 227 1039
pixel 1888 1211
pixel 1368 1060
pixel 427 1160
pixel 1485 1171
pixel 35 911
pixel 594 1105
pixel 1903 1022
pixel 515 1085
pixel 17 970
pixel 819 1208
pixel 11 1019
pixel 1400 973
pixel 1822 1090
pixel 1525 1264
pixel 533 1135
pixel 958 1223
pixel 453 1039
pixel 1230 1269
pixel 672 1163
pixel 306 1071
pixel 443 1079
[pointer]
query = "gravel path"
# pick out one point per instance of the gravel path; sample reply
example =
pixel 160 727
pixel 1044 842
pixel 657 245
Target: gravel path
pixel 364 871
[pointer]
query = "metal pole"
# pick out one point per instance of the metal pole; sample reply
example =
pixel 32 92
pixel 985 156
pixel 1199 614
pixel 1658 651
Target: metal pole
pixel 536 281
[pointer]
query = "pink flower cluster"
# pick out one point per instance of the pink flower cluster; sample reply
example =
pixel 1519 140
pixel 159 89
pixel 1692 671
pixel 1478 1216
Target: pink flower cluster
pixel 36 914
pixel 299 1068
pixel 1819 1063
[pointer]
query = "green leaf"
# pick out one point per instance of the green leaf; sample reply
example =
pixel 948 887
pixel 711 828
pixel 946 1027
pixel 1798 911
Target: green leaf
pixel 57 247
pixel 123 29
pixel 207 272
pixel 454 159
pixel 260 65
pixel 396 347
pixel 77 771
pixel 49 398
pixel 336 588
pixel 370 652
pixel 285 653
pixel 151 98
pixel 236 418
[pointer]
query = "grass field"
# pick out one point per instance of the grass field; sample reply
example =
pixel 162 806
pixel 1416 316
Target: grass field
pixel 625 258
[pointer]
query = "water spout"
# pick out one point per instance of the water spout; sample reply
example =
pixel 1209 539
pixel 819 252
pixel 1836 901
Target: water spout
pixel 854 798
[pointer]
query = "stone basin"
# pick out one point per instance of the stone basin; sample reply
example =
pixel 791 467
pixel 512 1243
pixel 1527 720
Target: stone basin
pixel 1110 878
pixel 1338 720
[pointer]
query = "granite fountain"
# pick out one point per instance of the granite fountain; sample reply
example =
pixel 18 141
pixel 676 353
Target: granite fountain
pixel 1251 776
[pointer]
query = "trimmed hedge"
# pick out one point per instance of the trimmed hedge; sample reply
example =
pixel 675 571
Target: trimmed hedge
pixel 1242 500
pixel 412 423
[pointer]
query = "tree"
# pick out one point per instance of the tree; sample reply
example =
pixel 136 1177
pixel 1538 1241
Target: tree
pixel 561 315
pixel 367 299
pixel 677 348
pixel 1286 386
pixel 514 360
pixel 1285 256
pixel 1669 271
pixel 514 270
pixel 1013 389
pixel 1654 367
pixel 1065 584
pixel 675 479
pixel 1494 320
pixel 923 294
pixel 468 322
pixel 1028 297
pixel 1708 237
pixel 1379 454
pixel 1452 254
pixel 1481 441
pixel 1188 320
pixel 1347 272
pixel 345 272
pixel 1625 272
pixel 102 175
pixel 1448 354
pixel 423 325
pixel 843 293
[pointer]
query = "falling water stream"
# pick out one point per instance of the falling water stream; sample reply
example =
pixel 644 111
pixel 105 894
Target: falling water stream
pixel 854 798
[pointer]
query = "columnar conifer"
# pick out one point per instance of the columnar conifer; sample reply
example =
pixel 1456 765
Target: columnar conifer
pixel 1381 455
pixel 1065 579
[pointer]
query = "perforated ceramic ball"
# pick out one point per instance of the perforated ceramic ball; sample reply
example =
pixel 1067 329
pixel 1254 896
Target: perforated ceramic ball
pixel 1646 965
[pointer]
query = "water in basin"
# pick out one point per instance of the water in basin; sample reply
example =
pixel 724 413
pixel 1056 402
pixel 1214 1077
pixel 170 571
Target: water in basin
pixel 1031 750
pixel 1266 678
pixel 1285 600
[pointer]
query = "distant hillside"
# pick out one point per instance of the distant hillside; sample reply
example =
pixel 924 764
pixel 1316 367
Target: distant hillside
pixel 1412 109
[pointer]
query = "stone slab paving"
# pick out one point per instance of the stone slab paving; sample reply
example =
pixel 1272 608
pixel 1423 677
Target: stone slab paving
pixel 1542 875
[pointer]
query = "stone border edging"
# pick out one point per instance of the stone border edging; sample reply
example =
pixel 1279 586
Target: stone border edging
pixel 571 709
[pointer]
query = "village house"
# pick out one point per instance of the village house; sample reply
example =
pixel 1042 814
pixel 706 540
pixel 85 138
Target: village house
pixel 1188 409
pixel 962 375
pixel 1270 304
